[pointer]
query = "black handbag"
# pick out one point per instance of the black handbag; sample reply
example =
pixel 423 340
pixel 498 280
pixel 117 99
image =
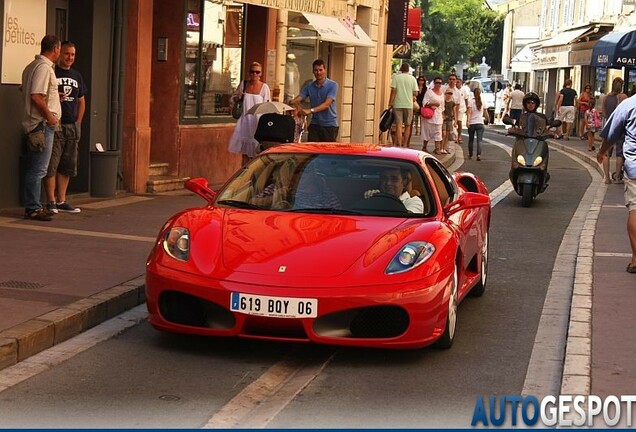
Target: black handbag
pixel 386 119
pixel 237 109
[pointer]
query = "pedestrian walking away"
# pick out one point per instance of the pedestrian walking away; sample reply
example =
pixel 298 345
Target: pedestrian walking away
pixel 475 114
pixel 322 93
pixel 42 112
pixel 516 103
pixel 621 124
pixel 63 163
pixel 404 91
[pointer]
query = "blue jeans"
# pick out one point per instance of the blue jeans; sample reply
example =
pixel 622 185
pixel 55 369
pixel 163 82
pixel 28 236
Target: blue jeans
pixel 479 128
pixel 37 164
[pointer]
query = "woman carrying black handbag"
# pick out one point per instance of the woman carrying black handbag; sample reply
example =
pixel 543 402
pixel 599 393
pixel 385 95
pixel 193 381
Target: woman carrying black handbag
pixel 251 92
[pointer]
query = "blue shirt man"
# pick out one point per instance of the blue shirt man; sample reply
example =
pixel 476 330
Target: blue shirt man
pixel 623 121
pixel 322 98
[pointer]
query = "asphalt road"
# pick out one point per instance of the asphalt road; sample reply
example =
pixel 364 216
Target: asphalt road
pixel 142 378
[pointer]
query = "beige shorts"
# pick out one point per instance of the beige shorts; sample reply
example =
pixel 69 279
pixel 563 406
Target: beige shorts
pixel 403 116
pixel 431 132
pixel 630 194
pixel 566 114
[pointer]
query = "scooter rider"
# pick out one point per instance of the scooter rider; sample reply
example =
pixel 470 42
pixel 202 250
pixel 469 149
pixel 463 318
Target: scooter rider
pixel 531 102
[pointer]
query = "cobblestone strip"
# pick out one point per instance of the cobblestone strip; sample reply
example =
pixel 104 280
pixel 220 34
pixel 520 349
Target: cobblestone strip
pixel 560 360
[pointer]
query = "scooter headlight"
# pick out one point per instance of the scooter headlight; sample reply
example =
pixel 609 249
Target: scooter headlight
pixel 537 161
pixel 521 160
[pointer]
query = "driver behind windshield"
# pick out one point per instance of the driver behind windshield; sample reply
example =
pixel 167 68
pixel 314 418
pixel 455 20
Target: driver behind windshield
pixel 540 128
pixel 394 181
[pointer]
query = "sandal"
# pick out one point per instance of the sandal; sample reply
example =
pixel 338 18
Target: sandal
pixel 631 268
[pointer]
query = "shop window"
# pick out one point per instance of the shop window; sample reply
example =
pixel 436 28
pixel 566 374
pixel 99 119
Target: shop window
pixel 302 50
pixel 212 59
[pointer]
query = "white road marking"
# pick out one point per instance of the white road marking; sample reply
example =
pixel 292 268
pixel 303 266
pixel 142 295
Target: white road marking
pixel 258 403
pixel 116 202
pixel 612 255
pixel 57 354
pixel 11 223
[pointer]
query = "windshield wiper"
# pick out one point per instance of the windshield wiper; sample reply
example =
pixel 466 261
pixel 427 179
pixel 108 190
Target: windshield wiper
pixel 326 210
pixel 240 204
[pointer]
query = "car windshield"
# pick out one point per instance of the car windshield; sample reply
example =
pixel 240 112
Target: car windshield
pixel 330 184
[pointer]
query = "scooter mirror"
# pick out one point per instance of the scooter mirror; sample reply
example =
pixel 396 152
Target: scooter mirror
pixel 508 120
pixel 555 123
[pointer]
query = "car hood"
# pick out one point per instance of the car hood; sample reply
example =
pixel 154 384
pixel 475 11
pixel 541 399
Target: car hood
pixel 296 245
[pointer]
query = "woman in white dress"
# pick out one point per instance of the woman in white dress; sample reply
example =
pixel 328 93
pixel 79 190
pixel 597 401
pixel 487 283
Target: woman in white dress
pixel 254 91
pixel 432 128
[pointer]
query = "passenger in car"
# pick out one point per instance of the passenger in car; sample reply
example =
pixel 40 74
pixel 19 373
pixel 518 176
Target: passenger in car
pixel 394 181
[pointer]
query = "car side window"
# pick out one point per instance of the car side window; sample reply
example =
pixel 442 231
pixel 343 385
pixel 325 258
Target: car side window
pixel 442 181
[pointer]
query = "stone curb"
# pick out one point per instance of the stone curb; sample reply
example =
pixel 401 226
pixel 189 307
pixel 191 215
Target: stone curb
pixel 38 334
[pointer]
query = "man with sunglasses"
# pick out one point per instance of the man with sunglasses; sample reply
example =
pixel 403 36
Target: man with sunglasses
pixel 322 93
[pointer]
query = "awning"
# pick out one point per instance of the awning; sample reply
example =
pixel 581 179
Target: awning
pixel 522 61
pixel 566 37
pixel 616 49
pixel 331 29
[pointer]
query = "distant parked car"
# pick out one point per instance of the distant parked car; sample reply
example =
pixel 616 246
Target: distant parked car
pixel 488 92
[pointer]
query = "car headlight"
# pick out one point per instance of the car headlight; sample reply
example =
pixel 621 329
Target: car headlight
pixel 176 243
pixel 521 160
pixel 537 161
pixel 411 255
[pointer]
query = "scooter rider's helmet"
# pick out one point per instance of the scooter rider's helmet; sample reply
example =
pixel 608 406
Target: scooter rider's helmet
pixel 531 96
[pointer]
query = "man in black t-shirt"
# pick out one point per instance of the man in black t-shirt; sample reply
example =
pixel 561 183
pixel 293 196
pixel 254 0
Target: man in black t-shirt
pixel 565 107
pixel 63 164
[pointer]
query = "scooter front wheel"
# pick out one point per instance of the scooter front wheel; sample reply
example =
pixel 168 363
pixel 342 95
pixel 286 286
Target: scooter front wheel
pixel 526 195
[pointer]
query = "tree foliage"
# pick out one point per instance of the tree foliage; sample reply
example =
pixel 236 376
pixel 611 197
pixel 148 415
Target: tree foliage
pixel 458 30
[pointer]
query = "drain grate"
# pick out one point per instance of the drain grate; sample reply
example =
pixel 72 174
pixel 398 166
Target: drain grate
pixel 21 285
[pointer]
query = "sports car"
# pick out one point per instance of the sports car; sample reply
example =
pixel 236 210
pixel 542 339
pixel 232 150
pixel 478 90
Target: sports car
pixel 342 244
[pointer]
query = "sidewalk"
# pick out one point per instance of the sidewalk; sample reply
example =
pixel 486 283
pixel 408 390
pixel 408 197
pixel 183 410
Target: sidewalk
pixel 63 277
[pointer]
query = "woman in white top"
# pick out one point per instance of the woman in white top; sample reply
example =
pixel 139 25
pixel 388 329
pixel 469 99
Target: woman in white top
pixel 432 128
pixel 254 91
pixel 476 111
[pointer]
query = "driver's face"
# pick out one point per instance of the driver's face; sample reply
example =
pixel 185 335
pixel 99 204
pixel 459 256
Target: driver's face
pixel 392 182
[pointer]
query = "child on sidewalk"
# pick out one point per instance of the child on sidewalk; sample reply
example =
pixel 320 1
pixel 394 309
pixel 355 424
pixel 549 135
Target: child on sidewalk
pixel 448 115
pixel 592 124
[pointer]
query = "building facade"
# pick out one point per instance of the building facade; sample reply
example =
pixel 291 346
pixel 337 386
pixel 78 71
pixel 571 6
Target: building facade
pixel 160 74
pixel 570 34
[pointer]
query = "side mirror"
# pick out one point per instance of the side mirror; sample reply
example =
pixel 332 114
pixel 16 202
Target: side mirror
pixel 200 187
pixel 508 120
pixel 466 201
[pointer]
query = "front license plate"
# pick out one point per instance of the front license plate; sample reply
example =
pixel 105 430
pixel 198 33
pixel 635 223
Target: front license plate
pixel 277 307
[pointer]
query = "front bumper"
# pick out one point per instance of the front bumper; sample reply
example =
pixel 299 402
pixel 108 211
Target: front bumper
pixel 410 315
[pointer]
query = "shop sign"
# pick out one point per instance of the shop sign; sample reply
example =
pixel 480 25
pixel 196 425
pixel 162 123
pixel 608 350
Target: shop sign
pixel 625 61
pixel 549 60
pixel 312 6
pixel 23 29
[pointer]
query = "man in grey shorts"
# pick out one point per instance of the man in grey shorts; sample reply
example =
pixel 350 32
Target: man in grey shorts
pixel 63 164
pixel 404 91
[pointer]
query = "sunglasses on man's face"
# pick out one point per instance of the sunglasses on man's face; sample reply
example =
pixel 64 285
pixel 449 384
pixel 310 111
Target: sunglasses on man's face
pixel 436 82
pixel 255 72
